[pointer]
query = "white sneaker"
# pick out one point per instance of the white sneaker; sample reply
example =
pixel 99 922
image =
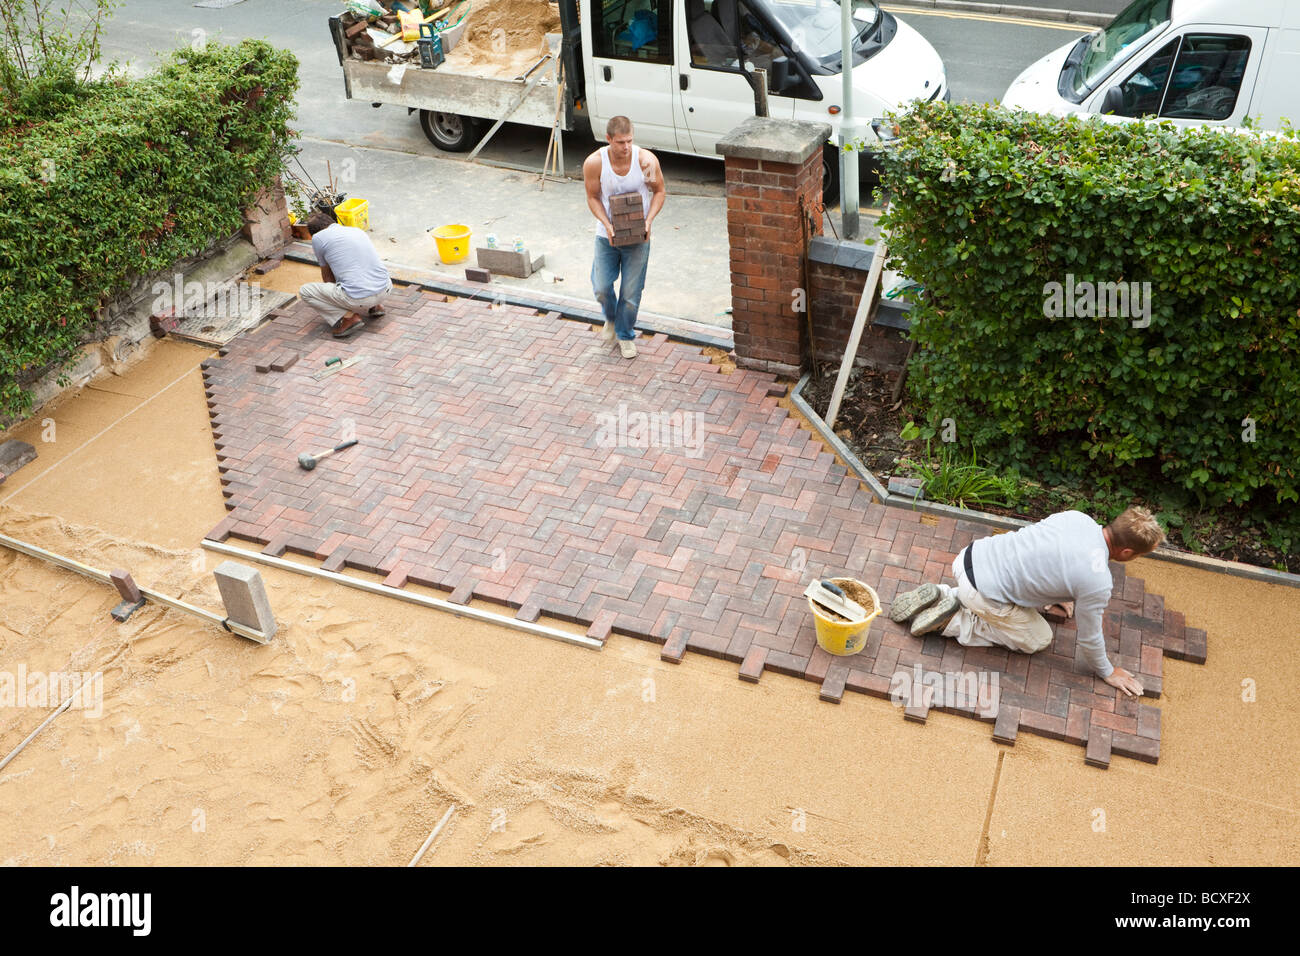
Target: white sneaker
pixel 607 333
pixel 627 347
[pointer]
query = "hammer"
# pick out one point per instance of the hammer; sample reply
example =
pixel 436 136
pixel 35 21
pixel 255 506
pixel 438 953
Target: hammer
pixel 307 462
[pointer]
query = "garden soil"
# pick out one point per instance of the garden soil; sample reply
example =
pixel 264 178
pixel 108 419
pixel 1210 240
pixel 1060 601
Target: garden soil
pixel 345 739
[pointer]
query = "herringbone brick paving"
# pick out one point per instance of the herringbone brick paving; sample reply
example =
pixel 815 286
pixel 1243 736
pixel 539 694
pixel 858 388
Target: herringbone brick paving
pixel 489 465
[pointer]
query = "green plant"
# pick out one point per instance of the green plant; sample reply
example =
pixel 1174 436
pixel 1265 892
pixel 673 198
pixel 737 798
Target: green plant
pixel 950 479
pixel 124 183
pixel 990 208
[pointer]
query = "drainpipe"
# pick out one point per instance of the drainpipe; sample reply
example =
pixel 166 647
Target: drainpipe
pixel 848 128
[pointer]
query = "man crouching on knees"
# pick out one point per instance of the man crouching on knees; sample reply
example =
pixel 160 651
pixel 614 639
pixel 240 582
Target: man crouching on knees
pixel 1002 580
pixel 354 282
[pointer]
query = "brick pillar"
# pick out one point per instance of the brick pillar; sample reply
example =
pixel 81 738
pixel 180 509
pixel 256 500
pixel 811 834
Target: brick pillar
pixel 772 165
pixel 266 221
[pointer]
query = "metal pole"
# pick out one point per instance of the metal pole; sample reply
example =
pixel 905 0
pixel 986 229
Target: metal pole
pixel 848 131
pixel 436 830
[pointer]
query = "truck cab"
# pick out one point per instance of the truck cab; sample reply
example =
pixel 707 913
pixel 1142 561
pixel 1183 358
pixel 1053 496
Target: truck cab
pixel 1191 62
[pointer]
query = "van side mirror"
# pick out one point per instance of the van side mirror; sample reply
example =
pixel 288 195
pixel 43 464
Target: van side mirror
pixel 1113 101
pixel 779 78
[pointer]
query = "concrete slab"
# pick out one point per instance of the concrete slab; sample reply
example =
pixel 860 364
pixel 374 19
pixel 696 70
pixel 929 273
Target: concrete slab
pixel 774 141
pixel 244 595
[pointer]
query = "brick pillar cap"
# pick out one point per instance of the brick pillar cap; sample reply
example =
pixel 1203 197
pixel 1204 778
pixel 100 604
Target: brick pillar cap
pixel 775 141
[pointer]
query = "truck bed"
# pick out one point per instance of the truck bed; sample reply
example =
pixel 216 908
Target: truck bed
pixel 444 91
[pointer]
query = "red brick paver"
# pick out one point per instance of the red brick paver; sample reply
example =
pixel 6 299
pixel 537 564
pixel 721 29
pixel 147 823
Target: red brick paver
pixel 493 463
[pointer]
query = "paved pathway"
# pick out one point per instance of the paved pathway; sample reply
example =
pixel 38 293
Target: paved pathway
pixel 512 456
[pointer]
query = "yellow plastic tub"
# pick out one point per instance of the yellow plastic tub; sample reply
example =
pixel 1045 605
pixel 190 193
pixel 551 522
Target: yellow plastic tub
pixel 353 212
pixel 839 637
pixel 453 243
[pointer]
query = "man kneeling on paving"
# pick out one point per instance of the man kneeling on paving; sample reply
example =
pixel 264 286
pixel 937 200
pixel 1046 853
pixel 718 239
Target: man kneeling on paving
pixel 354 282
pixel 1003 578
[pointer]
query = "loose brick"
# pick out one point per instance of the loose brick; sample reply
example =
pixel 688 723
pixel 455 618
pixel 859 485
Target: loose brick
pixel 674 648
pixel 832 689
pixel 1006 725
pixel 1098 752
pixel 1146 749
pixel 752 667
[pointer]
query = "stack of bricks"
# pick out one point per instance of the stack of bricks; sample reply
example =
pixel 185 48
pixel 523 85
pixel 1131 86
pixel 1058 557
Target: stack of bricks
pixel 774 174
pixel 627 212
pixel 266 221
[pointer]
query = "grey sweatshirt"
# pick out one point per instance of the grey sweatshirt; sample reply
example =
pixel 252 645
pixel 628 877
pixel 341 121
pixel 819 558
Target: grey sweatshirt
pixel 351 256
pixel 1061 558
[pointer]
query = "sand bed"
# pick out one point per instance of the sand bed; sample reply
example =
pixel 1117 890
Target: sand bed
pixel 347 738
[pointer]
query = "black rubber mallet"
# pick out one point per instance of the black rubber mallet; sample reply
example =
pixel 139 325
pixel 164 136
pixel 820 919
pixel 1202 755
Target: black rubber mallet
pixel 307 462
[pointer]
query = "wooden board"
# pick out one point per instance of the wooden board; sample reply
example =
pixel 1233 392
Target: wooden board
pixel 234 308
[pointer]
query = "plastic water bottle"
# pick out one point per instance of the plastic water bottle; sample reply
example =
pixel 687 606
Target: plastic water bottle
pixel 492 240
pixel 519 244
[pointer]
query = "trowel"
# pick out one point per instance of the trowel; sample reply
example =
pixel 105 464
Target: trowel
pixel 831 596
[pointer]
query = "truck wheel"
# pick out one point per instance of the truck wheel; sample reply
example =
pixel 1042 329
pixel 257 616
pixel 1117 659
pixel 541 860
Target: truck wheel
pixel 449 131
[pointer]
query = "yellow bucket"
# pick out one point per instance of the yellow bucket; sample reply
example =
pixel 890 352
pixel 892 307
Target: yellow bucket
pixel 453 243
pixel 353 212
pixel 839 637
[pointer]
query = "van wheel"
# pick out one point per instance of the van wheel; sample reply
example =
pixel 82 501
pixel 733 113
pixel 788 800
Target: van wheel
pixel 450 132
pixel 868 175
pixel 830 175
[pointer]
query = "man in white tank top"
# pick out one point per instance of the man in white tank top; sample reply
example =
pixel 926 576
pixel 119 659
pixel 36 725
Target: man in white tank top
pixel 613 170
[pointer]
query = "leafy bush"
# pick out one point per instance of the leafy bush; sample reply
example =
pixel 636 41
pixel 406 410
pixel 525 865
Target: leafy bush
pixel 988 207
pixel 126 180
pixel 47 53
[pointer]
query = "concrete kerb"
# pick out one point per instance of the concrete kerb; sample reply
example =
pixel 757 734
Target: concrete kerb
pixel 1006 10
pixel 1204 563
pixel 680 330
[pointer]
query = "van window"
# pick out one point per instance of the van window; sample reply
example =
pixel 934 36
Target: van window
pixel 712 32
pixel 1144 91
pixel 1207 77
pixel 632 30
pixel 1193 77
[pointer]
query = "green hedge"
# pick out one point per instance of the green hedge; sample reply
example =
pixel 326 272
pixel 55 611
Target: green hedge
pixel 988 207
pixel 133 177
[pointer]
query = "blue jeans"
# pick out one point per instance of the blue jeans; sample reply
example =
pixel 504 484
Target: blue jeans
pixel 606 265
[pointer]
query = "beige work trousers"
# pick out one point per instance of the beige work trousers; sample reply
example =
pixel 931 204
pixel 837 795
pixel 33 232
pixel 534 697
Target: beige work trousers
pixel 983 623
pixel 329 299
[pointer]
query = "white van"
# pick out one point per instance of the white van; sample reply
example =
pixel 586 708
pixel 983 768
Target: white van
pixel 683 70
pixel 1193 62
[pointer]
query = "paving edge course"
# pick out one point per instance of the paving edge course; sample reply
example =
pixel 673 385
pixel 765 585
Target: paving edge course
pixel 855 465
